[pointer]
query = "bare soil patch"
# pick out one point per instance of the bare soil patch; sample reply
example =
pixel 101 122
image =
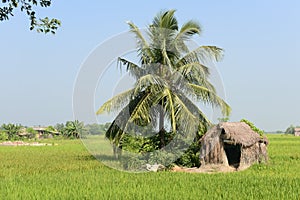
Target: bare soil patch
pixel 207 169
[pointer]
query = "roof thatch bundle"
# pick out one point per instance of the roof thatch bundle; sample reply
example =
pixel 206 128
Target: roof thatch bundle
pixel 240 133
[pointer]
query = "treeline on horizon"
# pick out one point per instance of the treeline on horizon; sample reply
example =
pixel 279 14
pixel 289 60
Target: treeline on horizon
pixel 70 129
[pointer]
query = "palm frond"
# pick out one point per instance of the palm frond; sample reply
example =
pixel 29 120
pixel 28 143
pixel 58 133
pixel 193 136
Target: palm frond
pixel 188 115
pixel 116 103
pixel 202 54
pixel 122 124
pixel 188 29
pixel 141 110
pixel 214 51
pixel 149 81
pixel 166 20
pixel 194 68
pixel 202 121
pixel 134 70
pixel 143 45
pixel 162 32
pixel 208 96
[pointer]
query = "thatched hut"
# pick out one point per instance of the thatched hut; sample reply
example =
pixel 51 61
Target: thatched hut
pixel 232 144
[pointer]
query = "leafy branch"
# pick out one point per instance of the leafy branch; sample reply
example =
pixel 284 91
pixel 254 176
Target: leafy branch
pixel 253 127
pixel 44 25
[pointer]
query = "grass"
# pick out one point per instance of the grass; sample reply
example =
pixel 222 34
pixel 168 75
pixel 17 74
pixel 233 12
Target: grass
pixel 68 171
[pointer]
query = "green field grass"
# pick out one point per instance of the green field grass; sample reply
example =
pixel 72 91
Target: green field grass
pixel 68 171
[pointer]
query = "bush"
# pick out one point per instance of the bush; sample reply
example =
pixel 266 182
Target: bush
pixel 3 136
pixel 146 150
pixel 191 157
pixel 253 127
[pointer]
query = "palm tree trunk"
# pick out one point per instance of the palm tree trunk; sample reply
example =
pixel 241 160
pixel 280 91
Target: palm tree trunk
pixel 161 127
pixel 161 118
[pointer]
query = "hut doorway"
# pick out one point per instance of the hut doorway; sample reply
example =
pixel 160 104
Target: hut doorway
pixel 233 153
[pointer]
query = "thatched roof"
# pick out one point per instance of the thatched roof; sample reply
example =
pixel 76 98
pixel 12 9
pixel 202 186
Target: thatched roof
pixel 238 132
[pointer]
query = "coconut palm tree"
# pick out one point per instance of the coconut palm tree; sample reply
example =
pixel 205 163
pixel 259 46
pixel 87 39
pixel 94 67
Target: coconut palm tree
pixel 74 128
pixel 169 78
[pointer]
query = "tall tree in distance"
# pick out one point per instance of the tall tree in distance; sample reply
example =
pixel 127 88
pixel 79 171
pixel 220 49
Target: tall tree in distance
pixel 170 80
pixel 74 128
pixel 45 25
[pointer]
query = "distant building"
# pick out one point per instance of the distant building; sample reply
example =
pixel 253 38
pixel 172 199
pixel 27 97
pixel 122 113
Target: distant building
pixel 40 130
pixel 44 132
pixel 297 132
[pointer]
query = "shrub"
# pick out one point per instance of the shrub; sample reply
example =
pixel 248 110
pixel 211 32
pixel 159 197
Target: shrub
pixel 191 157
pixel 253 127
pixel 3 136
pixel 149 152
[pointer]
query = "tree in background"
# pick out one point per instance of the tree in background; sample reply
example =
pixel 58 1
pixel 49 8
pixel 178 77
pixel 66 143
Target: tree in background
pixel 3 135
pixel 60 127
pixel 168 77
pixel 31 132
pixel 12 130
pixel 44 25
pixel 74 129
pixel 290 130
pixel 95 129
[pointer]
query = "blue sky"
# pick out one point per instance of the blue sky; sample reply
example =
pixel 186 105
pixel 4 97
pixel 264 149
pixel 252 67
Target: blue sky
pixel 260 69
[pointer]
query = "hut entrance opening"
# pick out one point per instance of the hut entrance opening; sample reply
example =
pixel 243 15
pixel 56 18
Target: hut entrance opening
pixel 233 153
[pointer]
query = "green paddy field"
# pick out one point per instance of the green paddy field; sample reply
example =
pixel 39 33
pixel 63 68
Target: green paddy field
pixel 68 171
